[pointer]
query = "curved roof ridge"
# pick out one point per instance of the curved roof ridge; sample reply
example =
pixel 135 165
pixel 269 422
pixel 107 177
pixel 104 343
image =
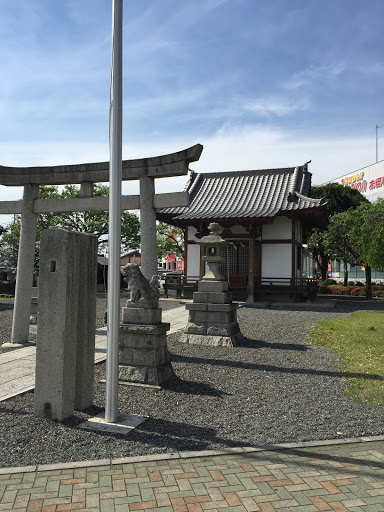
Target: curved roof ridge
pixel 277 170
pixel 245 194
pixel 313 200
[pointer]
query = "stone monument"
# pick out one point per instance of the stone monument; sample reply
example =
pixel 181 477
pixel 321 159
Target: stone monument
pixel 65 348
pixel 143 356
pixel 212 316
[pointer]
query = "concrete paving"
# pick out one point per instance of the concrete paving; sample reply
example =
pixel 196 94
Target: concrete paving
pixel 17 373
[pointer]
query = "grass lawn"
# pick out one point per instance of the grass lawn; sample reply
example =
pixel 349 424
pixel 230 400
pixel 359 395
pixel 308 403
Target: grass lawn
pixel 359 342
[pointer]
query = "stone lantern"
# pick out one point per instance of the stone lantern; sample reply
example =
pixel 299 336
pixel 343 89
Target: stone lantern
pixel 212 316
pixel 213 244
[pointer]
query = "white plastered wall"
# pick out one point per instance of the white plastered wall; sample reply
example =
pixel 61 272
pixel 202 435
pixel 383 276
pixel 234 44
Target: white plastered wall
pixel 280 229
pixel 298 237
pixel 193 255
pixel 276 260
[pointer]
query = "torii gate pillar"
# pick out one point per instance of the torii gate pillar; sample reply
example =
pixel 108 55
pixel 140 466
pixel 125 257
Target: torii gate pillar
pixel 148 235
pixel 25 263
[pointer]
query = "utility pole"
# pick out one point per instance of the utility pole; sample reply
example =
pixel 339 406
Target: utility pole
pixel 377 142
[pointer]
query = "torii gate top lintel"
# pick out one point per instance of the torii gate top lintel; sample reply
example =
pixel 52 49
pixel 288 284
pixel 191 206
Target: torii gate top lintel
pixel 165 166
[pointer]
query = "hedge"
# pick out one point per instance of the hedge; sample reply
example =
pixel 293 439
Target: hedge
pixel 356 291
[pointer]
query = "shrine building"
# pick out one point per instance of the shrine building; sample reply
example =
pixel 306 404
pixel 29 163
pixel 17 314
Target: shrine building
pixel 264 215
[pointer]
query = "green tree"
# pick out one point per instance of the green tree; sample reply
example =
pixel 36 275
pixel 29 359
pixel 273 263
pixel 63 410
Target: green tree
pixel 170 241
pixel 339 241
pixel 95 222
pixel 10 244
pixel 339 199
pixel 368 231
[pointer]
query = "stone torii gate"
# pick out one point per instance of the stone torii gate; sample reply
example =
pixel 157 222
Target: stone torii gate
pixel 146 170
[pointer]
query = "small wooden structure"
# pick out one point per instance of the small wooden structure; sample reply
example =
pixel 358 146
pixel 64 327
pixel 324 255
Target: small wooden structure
pixel 133 256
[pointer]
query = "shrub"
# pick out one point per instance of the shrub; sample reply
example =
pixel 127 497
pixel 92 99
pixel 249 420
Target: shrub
pixel 351 283
pixel 329 281
pixel 379 293
pixel 323 289
pixel 339 290
pixel 358 292
pixel 359 283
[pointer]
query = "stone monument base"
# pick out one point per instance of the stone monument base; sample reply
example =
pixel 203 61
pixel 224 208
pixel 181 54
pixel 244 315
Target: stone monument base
pixel 143 356
pixel 212 341
pixel 213 325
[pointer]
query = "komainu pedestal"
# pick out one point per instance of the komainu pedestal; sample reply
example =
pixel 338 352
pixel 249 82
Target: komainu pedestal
pixel 212 316
pixel 143 355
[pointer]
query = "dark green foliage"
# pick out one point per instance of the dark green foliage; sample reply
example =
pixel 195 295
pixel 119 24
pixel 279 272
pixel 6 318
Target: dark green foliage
pixel 339 198
pixel 329 281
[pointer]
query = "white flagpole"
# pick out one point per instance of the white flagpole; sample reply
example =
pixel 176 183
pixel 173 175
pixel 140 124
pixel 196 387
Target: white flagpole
pixel 115 172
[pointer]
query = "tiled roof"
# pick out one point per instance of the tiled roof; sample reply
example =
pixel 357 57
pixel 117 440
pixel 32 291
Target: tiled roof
pixel 246 194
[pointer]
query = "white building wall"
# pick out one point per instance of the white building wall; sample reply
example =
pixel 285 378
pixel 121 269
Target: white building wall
pixel 193 254
pixel 276 260
pixel 193 261
pixel 368 180
pixel 280 229
pixel 191 233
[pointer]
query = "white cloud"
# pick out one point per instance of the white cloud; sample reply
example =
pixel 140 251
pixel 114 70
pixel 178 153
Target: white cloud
pixel 314 76
pixel 276 106
pixel 252 147
pixel 233 147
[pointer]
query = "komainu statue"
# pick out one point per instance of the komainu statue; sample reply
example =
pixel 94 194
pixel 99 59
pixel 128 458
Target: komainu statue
pixel 140 288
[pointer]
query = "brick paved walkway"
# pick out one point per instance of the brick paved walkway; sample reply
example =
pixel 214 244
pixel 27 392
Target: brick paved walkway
pixel 343 477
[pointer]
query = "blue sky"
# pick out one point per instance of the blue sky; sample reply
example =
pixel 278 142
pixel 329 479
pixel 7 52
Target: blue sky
pixel 260 83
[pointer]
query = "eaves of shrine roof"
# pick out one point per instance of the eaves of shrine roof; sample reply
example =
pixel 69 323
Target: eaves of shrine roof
pixel 246 195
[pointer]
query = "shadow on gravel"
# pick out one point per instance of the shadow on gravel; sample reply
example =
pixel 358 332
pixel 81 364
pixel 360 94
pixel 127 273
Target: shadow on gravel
pixel 4 307
pixel 168 436
pixel 270 368
pixel 162 434
pixel 190 387
pixel 249 343
pixel 6 410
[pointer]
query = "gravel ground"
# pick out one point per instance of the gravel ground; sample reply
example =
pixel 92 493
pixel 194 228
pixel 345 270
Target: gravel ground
pixel 274 388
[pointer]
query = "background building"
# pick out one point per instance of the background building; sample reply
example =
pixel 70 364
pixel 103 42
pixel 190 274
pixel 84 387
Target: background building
pixel 368 180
